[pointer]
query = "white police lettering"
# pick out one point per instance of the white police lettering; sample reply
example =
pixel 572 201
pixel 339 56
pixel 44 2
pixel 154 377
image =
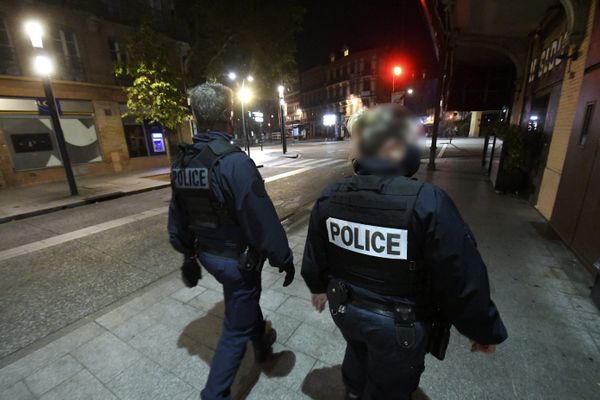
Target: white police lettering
pixel 376 241
pixel 190 178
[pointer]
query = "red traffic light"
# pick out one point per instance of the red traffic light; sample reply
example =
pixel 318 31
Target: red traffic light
pixel 397 70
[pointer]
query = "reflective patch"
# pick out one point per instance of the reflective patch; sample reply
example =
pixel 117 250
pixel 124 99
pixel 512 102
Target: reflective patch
pixel 376 241
pixel 190 178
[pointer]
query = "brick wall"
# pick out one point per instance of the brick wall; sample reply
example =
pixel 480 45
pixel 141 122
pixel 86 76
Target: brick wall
pixel 565 115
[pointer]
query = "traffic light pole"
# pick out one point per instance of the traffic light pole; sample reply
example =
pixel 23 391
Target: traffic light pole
pixel 60 137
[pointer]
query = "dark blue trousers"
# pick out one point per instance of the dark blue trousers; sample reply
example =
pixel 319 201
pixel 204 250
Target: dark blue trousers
pixel 375 366
pixel 243 320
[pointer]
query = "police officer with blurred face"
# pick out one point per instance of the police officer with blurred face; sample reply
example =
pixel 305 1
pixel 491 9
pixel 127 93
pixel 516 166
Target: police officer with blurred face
pixel 221 217
pixel 396 263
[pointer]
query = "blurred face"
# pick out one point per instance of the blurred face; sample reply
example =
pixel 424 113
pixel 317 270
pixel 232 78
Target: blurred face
pixel 395 150
pixel 392 150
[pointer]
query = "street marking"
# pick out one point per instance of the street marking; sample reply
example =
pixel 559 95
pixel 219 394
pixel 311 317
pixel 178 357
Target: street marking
pixel 274 163
pixel 90 230
pixel 444 147
pixel 303 163
pixel 301 170
pixel 78 234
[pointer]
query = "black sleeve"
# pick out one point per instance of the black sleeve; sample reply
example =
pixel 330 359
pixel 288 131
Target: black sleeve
pixel 255 211
pixel 459 275
pixel 315 270
pixel 180 237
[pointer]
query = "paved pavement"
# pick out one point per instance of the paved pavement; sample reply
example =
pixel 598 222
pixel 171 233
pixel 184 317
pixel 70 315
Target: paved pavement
pixel 154 338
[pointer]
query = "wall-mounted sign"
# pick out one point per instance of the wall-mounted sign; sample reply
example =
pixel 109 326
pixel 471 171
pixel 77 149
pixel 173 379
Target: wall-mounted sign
pixel 548 60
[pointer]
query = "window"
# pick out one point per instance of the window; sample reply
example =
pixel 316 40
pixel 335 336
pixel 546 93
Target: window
pixel 587 120
pixel 136 141
pixel 366 85
pixel 67 51
pixel 8 59
pixel 117 52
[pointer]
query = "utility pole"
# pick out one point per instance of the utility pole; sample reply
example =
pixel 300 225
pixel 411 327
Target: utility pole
pixel 280 90
pixel 43 66
pixel 60 137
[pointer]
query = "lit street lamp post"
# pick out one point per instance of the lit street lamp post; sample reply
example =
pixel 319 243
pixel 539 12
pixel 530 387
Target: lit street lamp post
pixel 280 90
pixel 244 95
pixel 43 66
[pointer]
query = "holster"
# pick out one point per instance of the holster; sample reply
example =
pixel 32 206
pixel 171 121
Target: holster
pixel 338 295
pixel 439 336
pixel 251 260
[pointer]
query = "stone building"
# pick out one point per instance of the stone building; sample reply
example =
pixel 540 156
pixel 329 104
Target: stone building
pixel 85 39
pixel 344 85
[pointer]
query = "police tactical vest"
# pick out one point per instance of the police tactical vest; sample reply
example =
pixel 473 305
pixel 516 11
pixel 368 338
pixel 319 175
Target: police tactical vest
pixel 191 174
pixel 368 228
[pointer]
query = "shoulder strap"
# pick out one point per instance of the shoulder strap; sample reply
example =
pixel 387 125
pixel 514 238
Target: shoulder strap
pixel 223 147
pixel 214 151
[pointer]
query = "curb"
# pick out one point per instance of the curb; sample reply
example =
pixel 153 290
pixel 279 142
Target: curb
pixel 78 203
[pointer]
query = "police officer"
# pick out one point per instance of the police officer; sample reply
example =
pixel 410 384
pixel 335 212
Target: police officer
pixel 396 263
pixel 221 217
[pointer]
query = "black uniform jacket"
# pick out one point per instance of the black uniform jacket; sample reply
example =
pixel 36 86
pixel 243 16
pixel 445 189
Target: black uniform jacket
pixel 442 240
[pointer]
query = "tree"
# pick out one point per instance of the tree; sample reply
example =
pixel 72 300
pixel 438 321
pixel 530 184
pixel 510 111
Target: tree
pixel 250 36
pixel 156 92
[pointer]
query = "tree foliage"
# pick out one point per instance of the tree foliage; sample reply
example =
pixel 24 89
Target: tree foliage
pixel 156 91
pixel 250 36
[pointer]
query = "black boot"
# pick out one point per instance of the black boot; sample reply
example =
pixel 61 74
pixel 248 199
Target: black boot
pixel 263 342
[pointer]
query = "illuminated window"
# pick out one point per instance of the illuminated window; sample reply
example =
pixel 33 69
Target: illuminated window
pixel 346 52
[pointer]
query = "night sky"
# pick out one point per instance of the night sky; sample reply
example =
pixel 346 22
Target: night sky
pixel 330 24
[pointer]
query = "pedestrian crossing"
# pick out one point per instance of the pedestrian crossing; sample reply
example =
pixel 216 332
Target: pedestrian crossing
pixel 304 162
pixel 299 166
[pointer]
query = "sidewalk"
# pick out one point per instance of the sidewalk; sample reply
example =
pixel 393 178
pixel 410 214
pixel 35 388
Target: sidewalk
pixel 157 343
pixel 22 202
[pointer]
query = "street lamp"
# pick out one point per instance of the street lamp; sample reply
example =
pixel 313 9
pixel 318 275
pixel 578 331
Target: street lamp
pixel 280 90
pixel 43 67
pixel 245 95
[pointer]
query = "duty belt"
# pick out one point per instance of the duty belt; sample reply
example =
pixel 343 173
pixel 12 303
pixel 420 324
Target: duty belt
pixel 340 294
pixel 404 312
pixel 226 252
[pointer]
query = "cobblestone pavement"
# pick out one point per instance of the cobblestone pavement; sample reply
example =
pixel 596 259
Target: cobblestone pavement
pixel 157 343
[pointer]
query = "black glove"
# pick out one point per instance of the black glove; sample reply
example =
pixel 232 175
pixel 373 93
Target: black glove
pixel 290 271
pixel 191 272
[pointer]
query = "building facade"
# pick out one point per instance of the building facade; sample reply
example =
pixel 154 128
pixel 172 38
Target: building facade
pixel 554 47
pixel 85 39
pixel 341 87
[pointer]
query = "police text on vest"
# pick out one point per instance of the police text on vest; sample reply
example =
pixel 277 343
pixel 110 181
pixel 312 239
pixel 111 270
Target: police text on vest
pixel 376 241
pixel 190 178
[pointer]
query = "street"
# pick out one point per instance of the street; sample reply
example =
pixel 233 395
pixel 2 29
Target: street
pixel 95 308
pixel 102 252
